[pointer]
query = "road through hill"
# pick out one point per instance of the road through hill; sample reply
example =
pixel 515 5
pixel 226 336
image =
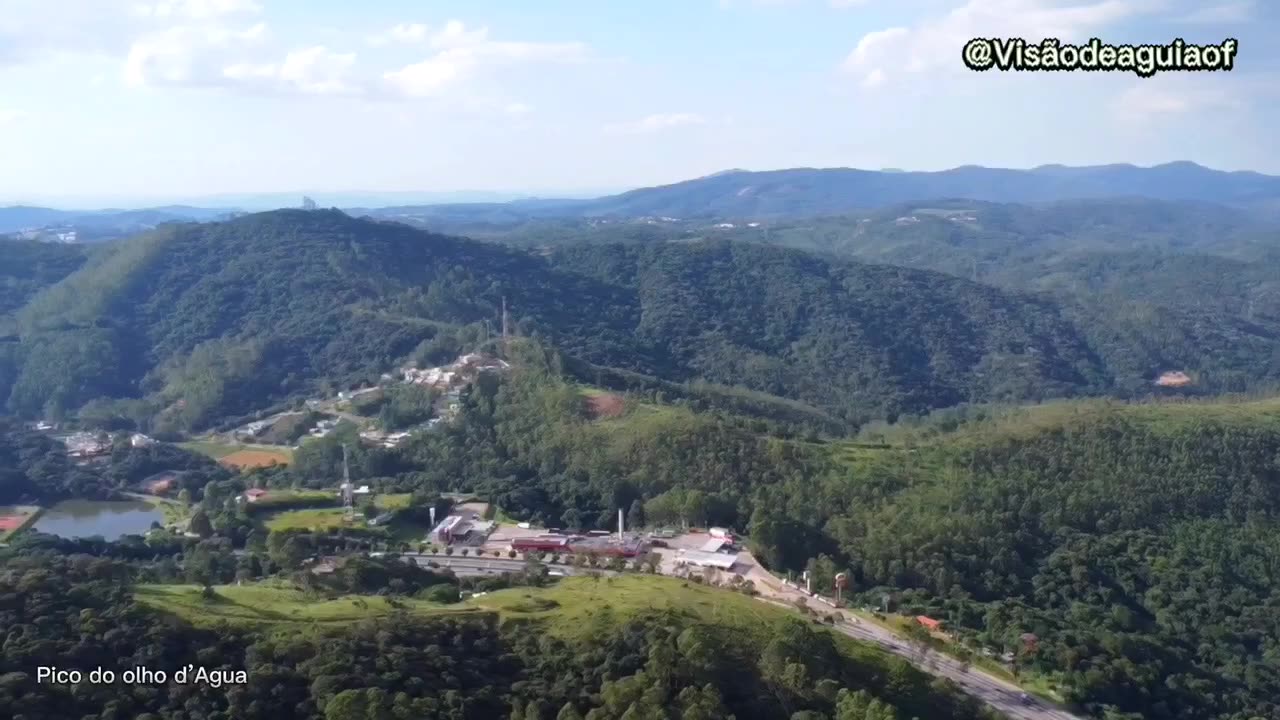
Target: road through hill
pixel 999 694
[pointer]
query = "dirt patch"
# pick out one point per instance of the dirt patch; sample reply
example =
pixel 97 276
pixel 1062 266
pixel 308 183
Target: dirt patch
pixel 11 522
pixel 254 459
pixel 605 405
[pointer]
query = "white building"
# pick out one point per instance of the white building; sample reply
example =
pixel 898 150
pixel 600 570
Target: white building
pixel 720 561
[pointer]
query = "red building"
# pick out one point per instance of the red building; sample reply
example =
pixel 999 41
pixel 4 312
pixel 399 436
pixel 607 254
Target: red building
pixel 541 544
pixel 929 623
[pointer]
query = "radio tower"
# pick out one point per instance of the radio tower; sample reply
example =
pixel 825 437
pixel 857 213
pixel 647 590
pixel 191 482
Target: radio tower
pixel 348 491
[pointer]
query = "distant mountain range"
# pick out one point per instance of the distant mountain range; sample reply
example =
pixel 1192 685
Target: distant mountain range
pixel 794 193
pixel 807 192
pixel 94 225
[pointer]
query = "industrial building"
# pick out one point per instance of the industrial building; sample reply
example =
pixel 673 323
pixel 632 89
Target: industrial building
pixel 459 529
pixel 700 558
pixel 449 529
pixel 546 543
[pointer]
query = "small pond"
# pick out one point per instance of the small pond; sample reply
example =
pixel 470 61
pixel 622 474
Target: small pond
pixel 109 520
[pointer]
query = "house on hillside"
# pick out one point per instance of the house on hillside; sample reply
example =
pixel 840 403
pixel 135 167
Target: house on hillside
pixel 929 623
pixel 85 445
pixel 254 494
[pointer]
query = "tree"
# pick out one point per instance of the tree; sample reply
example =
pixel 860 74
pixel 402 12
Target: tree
pixel 568 712
pixel 200 524
pixel 635 515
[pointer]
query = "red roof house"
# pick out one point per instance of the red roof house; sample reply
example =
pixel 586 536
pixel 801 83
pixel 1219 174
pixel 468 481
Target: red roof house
pixel 929 623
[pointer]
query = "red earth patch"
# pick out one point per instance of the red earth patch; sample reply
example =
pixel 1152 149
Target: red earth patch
pixel 605 406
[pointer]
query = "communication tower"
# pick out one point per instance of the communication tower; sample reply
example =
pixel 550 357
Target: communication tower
pixel 348 490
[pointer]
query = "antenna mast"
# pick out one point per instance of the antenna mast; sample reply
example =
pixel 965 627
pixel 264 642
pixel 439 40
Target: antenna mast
pixel 348 504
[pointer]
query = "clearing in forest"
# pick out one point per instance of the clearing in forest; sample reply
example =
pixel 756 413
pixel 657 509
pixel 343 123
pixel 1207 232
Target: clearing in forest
pixel 248 459
pixel 602 405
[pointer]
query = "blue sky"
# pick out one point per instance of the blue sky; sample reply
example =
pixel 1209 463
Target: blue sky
pixel 129 99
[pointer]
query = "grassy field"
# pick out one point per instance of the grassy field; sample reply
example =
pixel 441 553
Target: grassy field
pixel 175 513
pixel 273 602
pixel 573 608
pixel 312 519
pixel 240 454
pixel 391 501
pixel 578 606
pixel 255 458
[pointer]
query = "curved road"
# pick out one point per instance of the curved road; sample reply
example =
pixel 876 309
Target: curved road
pixel 999 694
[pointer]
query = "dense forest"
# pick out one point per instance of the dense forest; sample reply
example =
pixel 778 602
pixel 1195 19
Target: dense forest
pixel 199 323
pixel 1150 284
pixel 29 267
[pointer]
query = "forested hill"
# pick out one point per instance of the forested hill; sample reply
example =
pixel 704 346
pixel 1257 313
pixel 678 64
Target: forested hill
pixel 1152 284
pixel 838 334
pixel 213 319
pixel 207 321
pixel 27 267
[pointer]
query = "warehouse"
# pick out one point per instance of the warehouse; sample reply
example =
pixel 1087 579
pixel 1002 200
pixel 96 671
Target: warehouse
pixel 720 561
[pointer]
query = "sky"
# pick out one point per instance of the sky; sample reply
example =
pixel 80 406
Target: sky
pixel 106 100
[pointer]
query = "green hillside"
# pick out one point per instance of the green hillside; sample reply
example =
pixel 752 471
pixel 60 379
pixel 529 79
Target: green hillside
pixel 684 655
pixel 1136 541
pixel 208 322
pixel 31 266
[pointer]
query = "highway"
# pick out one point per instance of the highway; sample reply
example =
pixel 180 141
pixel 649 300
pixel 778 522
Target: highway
pixel 1003 696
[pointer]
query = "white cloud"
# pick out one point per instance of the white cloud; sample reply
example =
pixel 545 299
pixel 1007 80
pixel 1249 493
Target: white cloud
pixel 8 116
pixel 401 33
pixel 464 53
pixel 456 35
pixel 657 123
pixel 885 55
pixel 313 71
pixel 187 54
pixel 1223 14
pixel 517 108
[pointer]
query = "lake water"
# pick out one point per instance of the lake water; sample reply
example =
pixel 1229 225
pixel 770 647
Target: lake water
pixel 110 520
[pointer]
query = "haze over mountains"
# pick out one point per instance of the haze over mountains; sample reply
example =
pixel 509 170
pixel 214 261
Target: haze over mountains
pixel 798 192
